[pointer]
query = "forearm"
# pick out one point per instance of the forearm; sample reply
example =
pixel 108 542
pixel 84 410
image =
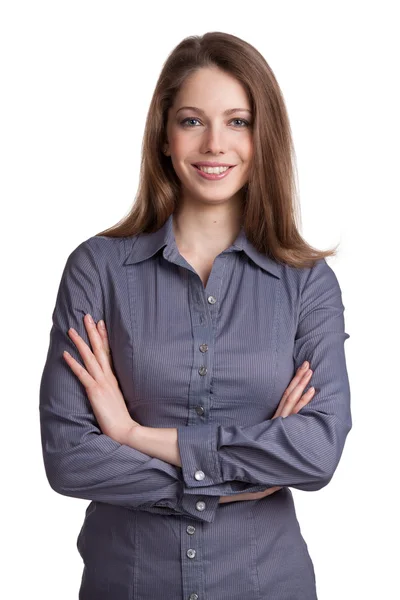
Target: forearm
pixel 158 442
pixel 162 443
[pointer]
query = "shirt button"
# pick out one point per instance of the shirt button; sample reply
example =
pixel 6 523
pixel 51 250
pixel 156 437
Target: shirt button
pixel 203 347
pixel 199 475
pixel 193 597
pixel 203 370
pixel 190 529
pixel 199 410
pixel 190 553
pixel 211 299
pixel 200 505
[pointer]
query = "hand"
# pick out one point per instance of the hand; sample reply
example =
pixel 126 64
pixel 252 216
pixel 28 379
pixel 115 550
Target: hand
pixel 250 495
pixel 291 402
pixel 101 385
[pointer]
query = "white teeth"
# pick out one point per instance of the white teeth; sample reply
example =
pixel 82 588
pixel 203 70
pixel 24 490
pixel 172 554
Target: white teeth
pixel 216 170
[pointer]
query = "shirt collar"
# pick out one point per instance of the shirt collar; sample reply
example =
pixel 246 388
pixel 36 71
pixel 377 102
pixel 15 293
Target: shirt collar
pixel 147 244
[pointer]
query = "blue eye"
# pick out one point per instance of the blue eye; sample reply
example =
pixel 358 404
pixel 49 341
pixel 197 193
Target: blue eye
pixel 186 124
pixel 243 121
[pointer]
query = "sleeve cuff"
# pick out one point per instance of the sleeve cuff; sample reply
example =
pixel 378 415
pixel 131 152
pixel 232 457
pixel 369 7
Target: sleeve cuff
pixel 199 457
pixel 198 506
pixel 201 508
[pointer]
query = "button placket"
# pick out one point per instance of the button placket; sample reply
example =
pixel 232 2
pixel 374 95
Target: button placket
pixel 198 406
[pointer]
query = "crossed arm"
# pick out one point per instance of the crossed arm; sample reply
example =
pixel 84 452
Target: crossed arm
pixel 154 468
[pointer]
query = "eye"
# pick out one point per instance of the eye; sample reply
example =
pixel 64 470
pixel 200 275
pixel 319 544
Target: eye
pixel 246 123
pixel 185 122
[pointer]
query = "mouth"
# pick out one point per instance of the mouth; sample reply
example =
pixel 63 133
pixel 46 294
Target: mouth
pixel 213 176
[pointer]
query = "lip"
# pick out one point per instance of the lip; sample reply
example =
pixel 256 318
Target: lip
pixel 211 164
pixel 214 176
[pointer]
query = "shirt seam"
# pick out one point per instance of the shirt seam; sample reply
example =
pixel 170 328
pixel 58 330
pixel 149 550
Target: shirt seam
pixel 92 252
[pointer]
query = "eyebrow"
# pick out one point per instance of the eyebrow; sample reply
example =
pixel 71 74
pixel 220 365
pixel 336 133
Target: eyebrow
pixel 226 112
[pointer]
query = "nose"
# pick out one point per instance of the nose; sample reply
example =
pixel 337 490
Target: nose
pixel 213 140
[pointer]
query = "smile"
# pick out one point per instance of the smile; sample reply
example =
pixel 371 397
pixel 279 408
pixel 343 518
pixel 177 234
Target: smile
pixel 213 176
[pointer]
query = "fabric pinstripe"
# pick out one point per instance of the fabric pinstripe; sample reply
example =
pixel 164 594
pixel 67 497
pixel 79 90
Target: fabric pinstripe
pixel 213 362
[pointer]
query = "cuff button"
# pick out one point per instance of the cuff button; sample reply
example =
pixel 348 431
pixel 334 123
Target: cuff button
pixel 200 505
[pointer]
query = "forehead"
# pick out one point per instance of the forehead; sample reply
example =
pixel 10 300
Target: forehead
pixel 210 88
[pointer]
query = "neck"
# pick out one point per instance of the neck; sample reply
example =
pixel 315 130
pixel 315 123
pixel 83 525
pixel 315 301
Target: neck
pixel 206 231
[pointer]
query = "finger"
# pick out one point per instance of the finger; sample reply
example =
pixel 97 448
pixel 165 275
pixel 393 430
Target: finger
pixel 295 395
pixel 305 399
pixel 273 489
pixel 293 406
pixel 97 343
pixel 83 376
pixel 102 330
pixel 301 372
pixel 294 390
pixel 89 359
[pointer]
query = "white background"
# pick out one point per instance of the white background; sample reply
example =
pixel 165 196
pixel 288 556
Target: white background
pixel 77 79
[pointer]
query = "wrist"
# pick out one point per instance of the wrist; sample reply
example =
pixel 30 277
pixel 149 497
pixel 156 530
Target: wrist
pixel 158 442
pixel 130 435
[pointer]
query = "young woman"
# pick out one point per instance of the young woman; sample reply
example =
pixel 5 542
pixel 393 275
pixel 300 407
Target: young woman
pixel 194 327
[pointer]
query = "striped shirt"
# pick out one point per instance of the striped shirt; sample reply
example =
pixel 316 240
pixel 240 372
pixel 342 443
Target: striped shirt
pixel 212 361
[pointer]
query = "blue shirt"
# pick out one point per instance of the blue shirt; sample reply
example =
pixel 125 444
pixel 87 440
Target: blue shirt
pixel 214 362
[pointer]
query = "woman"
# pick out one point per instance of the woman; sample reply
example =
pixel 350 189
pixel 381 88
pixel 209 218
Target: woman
pixel 184 418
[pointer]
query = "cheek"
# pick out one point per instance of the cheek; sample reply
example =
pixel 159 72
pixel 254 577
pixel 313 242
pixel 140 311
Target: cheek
pixel 180 143
pixel 180 147
pixel 180 151
pixel 247 151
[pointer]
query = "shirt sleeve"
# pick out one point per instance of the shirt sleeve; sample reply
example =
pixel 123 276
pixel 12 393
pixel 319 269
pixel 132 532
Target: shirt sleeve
pixel 303 449
pixel 80 461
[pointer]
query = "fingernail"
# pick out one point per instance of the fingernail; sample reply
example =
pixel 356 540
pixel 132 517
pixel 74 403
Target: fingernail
pixel 90 319
pixel 303 366
pixel 101 323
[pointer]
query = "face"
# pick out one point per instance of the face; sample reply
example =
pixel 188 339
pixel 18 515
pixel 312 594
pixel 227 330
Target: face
pixel 210 131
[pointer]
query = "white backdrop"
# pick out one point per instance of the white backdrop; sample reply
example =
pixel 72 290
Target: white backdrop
pixel 76 79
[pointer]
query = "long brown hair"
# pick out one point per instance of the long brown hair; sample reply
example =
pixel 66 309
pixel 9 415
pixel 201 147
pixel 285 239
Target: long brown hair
pixel 271 207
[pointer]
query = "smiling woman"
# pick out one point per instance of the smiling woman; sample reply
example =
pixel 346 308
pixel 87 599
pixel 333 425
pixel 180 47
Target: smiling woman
pixel 189 421
pixel 202 125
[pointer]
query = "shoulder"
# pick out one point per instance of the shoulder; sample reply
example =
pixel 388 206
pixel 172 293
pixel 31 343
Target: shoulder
pixel 101 251
pixel 313 286
pixel 320 274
